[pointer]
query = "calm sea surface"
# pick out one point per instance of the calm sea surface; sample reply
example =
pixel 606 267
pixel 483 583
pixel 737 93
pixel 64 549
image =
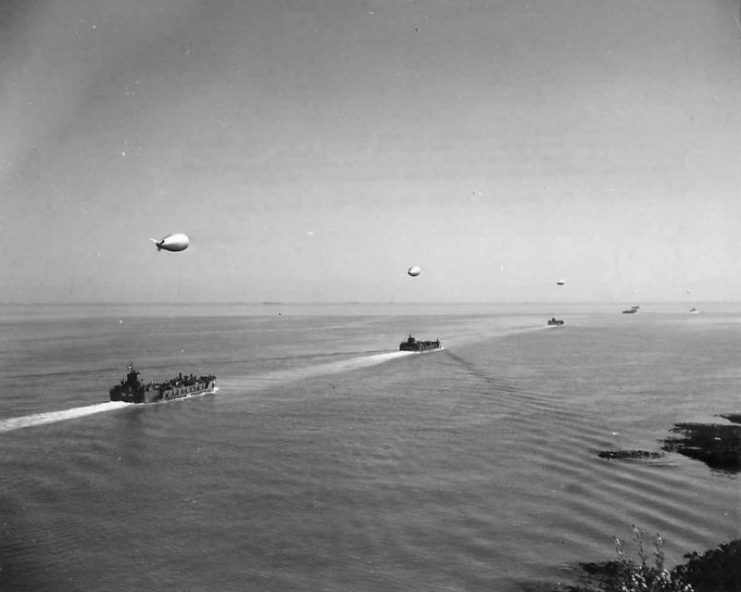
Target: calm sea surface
pixel 328 460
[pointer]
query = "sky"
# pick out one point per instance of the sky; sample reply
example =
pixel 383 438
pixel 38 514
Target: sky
pixel 313 150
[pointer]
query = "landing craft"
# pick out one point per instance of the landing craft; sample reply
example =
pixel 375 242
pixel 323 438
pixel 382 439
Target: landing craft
pixel 414 270
pixel 172 242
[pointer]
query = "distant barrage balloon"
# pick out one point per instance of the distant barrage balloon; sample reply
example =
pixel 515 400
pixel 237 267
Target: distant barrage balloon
pixel 172 242
pixel 414 270
pixel 560 283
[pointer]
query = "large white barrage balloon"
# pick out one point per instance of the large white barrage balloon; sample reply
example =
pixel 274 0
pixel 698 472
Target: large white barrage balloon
pixel 414 270
pixel 172 242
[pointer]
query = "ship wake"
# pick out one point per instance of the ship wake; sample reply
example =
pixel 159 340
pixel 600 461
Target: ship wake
pixel 278 377
pixel 16 423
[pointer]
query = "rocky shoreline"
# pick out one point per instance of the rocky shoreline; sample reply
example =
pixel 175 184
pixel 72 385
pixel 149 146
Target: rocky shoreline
pixel 717 445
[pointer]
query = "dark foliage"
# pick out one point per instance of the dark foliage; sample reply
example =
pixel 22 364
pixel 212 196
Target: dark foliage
pixel 718 570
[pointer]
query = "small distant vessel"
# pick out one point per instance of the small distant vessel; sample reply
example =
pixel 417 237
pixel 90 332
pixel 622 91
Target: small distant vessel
pixel 132 390
pixel 631 310
pixel 411 344
pixel 693 310
pixel 553 322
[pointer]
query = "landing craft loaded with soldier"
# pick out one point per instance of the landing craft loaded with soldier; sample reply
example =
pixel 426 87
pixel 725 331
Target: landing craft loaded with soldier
pixel 412 344
pixel 132 390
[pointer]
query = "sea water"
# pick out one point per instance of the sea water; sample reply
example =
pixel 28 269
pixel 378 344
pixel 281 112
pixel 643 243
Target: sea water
pixel 328 460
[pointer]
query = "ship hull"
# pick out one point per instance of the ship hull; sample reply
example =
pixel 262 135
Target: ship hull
pixel 421 348
pixel 132 390
pixel 156 395
pixel 418 346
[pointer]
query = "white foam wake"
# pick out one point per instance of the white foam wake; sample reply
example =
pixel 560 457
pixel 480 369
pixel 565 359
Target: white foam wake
pixel 15 423
pixel 353 363
pixel 291 375
pixel 338 366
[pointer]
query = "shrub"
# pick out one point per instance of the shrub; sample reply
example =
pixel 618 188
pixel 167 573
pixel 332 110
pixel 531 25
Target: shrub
pixel 627 575
pixel 642 576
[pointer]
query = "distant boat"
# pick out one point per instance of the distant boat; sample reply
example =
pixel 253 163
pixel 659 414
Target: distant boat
pixel 631 310
pixel 554 322
pixel 413 344
pixel 693 310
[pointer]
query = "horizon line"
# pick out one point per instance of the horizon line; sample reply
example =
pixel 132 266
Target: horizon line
pixel 351 302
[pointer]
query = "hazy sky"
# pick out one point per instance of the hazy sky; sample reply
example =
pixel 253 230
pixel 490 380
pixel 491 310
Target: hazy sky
pixel 314 150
